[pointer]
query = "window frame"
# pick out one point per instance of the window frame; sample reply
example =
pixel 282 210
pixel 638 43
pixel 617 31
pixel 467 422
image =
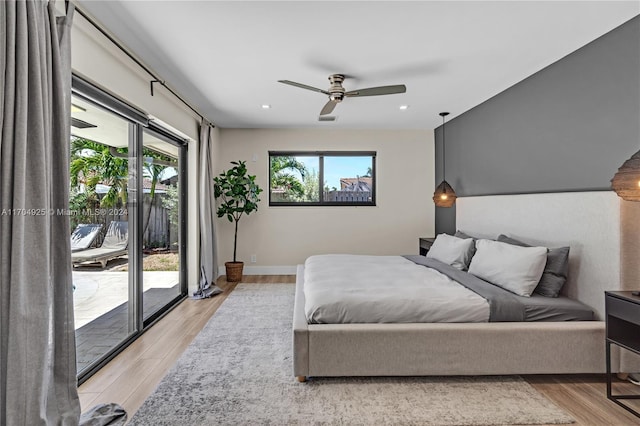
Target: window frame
pixel 321 155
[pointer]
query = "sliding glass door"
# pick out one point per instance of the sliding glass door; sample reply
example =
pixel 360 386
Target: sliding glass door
pixel 162 234
pixel 99 215
pixel 126 210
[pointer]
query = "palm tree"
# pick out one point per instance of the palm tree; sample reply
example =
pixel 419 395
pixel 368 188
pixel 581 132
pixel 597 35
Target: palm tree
pixel 92 163
pixel 283 173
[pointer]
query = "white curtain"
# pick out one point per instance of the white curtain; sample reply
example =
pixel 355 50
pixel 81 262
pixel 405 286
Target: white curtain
pixel 37 337
pixel 207 214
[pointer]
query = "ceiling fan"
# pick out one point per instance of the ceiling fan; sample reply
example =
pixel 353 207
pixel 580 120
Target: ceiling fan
pixel 337 93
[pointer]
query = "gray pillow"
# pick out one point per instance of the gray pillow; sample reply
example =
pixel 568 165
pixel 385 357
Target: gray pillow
pixel 555 271
pixel 462 235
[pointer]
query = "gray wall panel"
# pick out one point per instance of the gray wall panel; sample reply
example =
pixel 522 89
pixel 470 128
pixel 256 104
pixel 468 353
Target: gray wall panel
pixel 566 128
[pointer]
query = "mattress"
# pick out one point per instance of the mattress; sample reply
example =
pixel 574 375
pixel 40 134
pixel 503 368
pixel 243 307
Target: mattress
pixel 342 289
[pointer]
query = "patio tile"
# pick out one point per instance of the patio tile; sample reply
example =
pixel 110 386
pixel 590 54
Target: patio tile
pixel 101 304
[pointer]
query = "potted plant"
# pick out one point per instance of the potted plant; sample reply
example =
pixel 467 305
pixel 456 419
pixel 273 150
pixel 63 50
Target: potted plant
pixel 238 193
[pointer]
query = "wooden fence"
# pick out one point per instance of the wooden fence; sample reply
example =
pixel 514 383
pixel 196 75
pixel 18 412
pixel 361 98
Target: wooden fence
pixel 329 196
pixel 347 196
pixel 159 233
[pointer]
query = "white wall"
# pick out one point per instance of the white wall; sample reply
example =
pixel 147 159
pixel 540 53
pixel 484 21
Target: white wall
pixel 98 60
pixel 282 237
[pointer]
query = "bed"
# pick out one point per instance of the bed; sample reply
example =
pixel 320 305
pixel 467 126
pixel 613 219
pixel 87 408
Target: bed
pixel 588 222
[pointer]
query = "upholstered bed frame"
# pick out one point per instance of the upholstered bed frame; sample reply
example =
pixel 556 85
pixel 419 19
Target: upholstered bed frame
pixel 589 222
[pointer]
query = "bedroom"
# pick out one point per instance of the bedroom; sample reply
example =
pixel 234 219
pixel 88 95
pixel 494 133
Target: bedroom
pixel 576 100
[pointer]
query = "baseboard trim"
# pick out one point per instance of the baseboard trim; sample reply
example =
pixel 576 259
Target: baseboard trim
pixel 265 270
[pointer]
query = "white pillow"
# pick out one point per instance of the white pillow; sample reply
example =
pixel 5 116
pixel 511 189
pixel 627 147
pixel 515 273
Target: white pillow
pixel 514 268
pixel 451 250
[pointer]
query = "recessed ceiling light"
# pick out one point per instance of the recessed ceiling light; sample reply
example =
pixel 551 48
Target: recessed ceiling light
pixel 403 107
pixel 266 106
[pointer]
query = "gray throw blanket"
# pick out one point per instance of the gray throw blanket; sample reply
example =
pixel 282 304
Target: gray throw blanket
pixel 503 306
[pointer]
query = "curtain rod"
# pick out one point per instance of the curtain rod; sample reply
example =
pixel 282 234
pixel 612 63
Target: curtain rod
pixel 156 79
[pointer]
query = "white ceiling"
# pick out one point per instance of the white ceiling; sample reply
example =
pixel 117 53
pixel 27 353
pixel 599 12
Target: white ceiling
pixel 225 57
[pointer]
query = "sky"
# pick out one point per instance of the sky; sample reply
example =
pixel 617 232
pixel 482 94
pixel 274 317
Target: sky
pixel 338 167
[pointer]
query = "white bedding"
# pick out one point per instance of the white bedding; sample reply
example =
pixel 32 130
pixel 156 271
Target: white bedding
pixel 342 288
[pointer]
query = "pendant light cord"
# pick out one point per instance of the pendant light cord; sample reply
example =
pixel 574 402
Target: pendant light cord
pixel 444 195
pixel 444 175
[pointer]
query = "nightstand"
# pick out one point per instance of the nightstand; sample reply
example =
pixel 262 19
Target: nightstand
pixel 622 312
pixel 425 245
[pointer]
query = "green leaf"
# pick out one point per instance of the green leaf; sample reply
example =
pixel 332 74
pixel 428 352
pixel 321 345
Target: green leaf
pixel 236 191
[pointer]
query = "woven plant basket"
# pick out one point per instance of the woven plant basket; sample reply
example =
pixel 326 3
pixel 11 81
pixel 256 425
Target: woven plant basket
pixel 234 271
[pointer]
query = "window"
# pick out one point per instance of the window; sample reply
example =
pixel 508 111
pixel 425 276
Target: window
pixel 348 178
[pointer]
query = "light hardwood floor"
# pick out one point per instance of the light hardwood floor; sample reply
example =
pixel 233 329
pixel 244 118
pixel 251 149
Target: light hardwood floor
pixel 130 377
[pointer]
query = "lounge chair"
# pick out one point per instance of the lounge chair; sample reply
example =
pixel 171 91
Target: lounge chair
pixel 114 245
pixel 83 235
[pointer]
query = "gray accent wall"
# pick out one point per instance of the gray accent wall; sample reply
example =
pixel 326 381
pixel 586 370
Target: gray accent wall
pixel 566 128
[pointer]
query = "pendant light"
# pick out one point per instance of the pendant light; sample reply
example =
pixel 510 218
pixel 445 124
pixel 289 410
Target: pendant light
pixel 444 196
pixel 626 182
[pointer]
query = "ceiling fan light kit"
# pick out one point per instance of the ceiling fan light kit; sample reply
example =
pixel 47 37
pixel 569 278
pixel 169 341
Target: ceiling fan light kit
pixel 337 92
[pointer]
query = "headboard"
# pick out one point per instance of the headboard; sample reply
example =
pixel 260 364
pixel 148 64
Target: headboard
pixel 588 222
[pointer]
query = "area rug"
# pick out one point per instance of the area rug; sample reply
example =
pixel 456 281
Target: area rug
pixel 238 371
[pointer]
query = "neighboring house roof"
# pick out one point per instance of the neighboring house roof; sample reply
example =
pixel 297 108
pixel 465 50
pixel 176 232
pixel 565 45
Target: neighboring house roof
pixel 362 184
pixel 173 180
pixel 160 187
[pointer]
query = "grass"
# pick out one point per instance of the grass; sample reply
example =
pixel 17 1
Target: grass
pixel 158 262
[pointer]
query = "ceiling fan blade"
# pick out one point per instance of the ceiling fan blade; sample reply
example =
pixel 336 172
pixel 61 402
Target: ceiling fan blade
pixel 328 108
pixel 303 86
pixel 381 90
